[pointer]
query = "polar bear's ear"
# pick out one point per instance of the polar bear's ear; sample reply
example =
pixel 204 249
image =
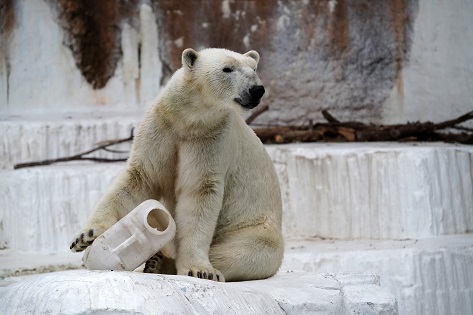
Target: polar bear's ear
pixel 189 56
pixel 253 54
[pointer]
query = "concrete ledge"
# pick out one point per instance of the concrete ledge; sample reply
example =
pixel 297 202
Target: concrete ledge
pixel 375 190
pixel 86 292
pixel 15 264
pixel 427 276
pixel 28 139
pixel 337 191
pixel 43 207
pixel 416 272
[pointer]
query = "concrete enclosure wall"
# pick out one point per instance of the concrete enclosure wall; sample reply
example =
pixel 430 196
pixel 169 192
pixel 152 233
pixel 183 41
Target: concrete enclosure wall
pixel 381 61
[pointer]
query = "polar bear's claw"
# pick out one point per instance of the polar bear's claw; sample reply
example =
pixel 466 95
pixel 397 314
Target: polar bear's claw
pixel 83 240
pixel 203 274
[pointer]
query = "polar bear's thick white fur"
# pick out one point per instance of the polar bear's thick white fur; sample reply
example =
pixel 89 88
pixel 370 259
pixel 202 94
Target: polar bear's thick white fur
pixel 195 154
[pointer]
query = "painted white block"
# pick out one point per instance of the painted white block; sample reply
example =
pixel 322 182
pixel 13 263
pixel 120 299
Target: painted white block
pixel 15 265
pixel 431 276
pixel 42 208
pixel 341 191
pixel 84 292
pixel 366 299
pixel 37 138
pixel 427 276
pixel 375 190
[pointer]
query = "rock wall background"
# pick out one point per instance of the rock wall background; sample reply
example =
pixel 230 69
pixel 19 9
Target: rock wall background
pixel 381 61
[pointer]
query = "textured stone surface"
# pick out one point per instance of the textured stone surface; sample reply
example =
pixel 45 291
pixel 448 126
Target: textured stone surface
pixel 427 276
pixel 82 291
pixel 424 186
pixel 355 301
pixel 430 276
pixel 383 61
pixel 341 191
pixel 15 264
pixel 375 191
pixel 315 54
pixel 41 208
pixel 434 84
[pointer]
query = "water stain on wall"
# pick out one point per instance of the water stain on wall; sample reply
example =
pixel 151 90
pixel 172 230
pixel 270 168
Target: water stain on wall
pixel 7 24
pixel 211 23
pixel 338 27
pixel 92 32
pixel 401 24
pixel 344 54
pixel 7 17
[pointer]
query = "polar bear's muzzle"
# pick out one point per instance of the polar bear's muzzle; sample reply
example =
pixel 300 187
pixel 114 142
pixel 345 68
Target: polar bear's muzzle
pixel 251 98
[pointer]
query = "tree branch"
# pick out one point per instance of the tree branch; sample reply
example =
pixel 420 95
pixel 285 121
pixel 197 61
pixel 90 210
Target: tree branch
pixel 329 117
pixel 357 131
pixel 80 156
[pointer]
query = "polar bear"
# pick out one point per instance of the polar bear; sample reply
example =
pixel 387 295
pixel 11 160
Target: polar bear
pixel 195 153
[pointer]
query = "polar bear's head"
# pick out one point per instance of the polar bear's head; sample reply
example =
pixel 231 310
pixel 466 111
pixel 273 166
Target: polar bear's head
pixel 225 77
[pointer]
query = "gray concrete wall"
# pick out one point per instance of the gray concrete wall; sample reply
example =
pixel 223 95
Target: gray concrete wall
pixel 380 61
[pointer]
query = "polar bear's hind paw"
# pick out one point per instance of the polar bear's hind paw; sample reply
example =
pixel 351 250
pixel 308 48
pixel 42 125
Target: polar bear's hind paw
pixel 154 264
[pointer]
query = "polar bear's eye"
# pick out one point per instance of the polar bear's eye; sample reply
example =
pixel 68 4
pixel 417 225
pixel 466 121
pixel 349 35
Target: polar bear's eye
pixel 227 70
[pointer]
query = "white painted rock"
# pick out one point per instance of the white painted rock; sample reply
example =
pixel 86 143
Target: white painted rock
pixel 427 276
pixel 375 190
pixel 61 196
pixel 100 292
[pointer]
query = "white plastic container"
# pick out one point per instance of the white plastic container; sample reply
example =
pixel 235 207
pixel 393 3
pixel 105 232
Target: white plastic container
pixel 133 240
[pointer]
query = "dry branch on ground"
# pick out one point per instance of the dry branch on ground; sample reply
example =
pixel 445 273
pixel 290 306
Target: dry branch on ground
pixel 82 156
pixel 353 131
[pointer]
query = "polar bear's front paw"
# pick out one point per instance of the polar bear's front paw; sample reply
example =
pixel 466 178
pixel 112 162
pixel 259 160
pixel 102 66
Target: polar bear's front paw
pixel 84 239
pixel 202 273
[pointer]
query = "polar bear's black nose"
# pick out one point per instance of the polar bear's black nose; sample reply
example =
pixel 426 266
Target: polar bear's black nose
pixel 257 91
